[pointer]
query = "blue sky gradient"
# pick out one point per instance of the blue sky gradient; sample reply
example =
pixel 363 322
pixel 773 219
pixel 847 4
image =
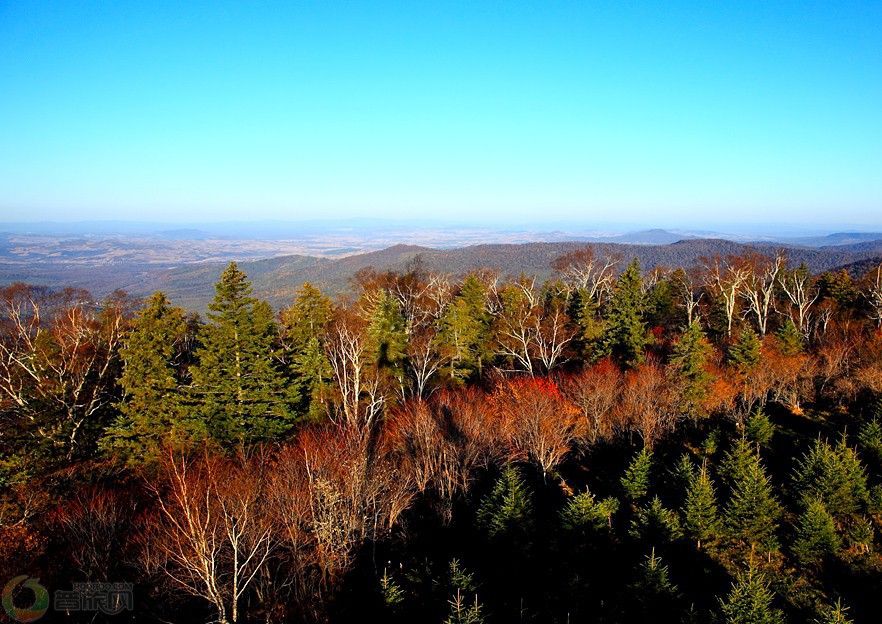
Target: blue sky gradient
pixel 656 114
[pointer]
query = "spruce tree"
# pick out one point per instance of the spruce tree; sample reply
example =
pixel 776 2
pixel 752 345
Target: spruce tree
pixel 636 479
pixel 790 339
pixel 151 413
pixel 750 601
pixel 689 361
pixel 655 524
pixel 759 428
pixel 626 336
pixel 816 536
pixel 870 441
pixel 387 336
pixel 752 513
pixel 701 517
pixel 237 387
pixel 834 476
pixel 583 513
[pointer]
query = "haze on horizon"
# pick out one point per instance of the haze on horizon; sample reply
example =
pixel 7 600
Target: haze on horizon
pixel 691 113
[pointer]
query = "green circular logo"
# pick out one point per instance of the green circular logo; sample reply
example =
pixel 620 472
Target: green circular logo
pixel 33 612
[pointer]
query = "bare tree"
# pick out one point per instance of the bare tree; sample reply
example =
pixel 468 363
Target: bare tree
pixel 725 280
pixel 759 287
pixel 802 293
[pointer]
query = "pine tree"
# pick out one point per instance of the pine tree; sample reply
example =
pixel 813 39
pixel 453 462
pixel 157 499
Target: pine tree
pixel 816 535
pixel 689 361
pixel 636 480
pixel 750 601
pixel 151 413
pixel 834 614
pixel 702 522
pixel 626 336
pixel 507 511
pixel 753 511
pixel 746 353
pixel 237 386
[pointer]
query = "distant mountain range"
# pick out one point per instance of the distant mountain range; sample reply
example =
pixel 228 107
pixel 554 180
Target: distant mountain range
pixel 103 266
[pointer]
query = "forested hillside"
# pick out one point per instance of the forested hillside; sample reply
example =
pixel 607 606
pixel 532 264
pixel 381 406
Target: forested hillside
pixel 617 440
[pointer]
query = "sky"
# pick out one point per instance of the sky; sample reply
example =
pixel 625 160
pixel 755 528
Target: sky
pixel 656 113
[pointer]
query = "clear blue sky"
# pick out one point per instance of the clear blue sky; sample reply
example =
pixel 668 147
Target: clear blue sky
pixel 623 111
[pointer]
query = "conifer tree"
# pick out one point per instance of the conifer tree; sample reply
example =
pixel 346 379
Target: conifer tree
pixel 702 522
pixel 655 524
pixel 653 596
pixel 759 429
pixel 752 513
pixel 151 413
pixel 507 511
pixel 636 479
pixel 387 335
pixel 816 535
pixel 689 361
pixel 834 476
pixel 304 327
pixel 584 513
pixel 463 330
pixel 790 339
pixel 870 441
pixel 834 614
pixel 746 352
pixel 237 386
pixel 626 336
pixel 750 601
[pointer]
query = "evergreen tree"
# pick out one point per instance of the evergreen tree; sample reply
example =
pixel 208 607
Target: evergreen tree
pixel 653 596
pixel 790 339
pixel 834 614
pixel 689 361
pixel 655 524
pixel 759 429
pixel 870 441
pixel 626 336
pixel 463 335
pixel 746 352
pixel 750 601
pixel 237 386
pixel 636 480
pixel 702 522
pixel 816 535
pixel 507 511
pixel 585 514
pixel 304 327
pixel 753 511
pixel 833 476
pixel 387 335
pixel 151 413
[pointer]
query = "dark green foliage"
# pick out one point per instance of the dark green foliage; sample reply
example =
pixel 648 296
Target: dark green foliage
pixel 790 339
pixel 750 601
pixel 746 352
pixel 759 429
pixel 870 440
pixel 689 361
pixel 652 596
pixel 507 511
pixel 464 330
pixel 636 480
pixel 387 337
pixel 834 476
pixel 700 513
pixel 752 514
pixel 583 513
pixel 238 388
pixel 834 614
pixel 151 413
pixel 655 524
pixel 816 536
pixel 626 337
